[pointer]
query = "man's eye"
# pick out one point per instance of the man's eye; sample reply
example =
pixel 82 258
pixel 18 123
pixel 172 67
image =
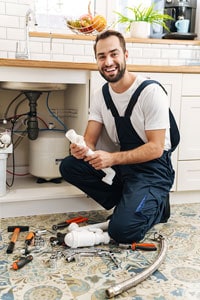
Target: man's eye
pixel 114 54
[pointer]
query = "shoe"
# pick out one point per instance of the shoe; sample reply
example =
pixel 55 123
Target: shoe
pixel 166 212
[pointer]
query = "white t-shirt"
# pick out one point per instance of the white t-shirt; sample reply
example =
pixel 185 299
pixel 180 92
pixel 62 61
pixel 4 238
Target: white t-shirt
pixel 151 111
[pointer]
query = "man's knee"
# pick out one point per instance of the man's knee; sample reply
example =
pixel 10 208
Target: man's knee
pixel 126 233
pixel 67 166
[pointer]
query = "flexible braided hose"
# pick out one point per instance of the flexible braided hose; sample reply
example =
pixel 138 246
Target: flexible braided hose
pixel 129 283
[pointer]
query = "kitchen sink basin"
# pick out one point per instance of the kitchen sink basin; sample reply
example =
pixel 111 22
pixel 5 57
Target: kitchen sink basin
pixel 32 86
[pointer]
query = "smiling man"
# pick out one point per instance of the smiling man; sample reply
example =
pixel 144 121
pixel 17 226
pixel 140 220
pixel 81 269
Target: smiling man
pixel 135 113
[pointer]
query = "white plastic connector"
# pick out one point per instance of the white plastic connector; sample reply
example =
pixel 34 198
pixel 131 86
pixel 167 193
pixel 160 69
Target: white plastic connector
pixel 86 238
pixel 103 226
pixel 79 140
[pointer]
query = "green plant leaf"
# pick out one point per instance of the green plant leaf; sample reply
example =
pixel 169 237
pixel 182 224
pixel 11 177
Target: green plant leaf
pixel 145 14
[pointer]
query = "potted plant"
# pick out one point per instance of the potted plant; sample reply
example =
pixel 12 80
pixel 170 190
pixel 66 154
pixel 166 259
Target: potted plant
pixel 141 20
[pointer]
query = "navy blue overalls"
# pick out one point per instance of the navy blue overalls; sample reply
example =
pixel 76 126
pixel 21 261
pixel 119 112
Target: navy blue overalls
pixel 139 191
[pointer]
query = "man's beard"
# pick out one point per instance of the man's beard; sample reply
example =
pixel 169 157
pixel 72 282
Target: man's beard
pixel 117 77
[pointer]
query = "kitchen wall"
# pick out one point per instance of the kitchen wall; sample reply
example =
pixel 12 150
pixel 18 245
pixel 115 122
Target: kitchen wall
pixel 13 29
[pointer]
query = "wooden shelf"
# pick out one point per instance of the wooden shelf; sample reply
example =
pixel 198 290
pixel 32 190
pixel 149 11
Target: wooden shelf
pixel 128 40
pixel 4 62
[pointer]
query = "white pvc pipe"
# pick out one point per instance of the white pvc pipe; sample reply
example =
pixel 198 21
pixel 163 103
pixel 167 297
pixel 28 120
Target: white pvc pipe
pixel 3 163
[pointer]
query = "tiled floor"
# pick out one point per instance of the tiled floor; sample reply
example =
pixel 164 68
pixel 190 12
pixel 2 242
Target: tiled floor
pixel 88 277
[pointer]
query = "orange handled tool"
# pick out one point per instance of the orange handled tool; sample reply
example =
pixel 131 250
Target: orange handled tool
pixel 144 246
pixel 18 264
pixel 30 236
pixel 67 222
pixel 16 230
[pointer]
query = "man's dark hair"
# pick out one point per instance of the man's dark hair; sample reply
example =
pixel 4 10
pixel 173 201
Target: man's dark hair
pixel 108 33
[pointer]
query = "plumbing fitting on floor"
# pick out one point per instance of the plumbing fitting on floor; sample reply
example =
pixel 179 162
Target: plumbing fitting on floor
pixel 85 238
pixel 79 141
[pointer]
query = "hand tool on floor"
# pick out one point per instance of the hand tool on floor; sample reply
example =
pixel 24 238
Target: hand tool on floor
pixel 139 246
pixel 28 241
pixel 66 223
pixel 16 230
pixel 58 240
pixel 144 246
pixel 18 264
pixel 29 238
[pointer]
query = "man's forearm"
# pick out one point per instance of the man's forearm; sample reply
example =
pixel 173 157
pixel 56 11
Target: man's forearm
pixel 141 154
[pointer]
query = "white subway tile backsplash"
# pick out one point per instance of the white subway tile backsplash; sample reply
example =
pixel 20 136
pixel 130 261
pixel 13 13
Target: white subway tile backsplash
pixel 187 54
pixel 177 62
pixel 15 34
pixel 151 53
pixel 160 62
pixel 57 48
pixel 135 52
pixel 74 49
pixel 142 61
pixel 82 59
pixel 59 57
pixel 2 8
pixel 7 45
pixel 9 21
pixel 172 53
pixel 35 47
pixel 2 33
pixel 88 49
pixel 16 9
pixel 4 54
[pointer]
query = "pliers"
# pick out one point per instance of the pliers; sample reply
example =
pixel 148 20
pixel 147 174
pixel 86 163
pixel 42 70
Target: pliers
pixel 66 223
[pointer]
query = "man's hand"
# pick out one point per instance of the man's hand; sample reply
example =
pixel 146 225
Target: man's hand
pixel 100 159
pixel 78 151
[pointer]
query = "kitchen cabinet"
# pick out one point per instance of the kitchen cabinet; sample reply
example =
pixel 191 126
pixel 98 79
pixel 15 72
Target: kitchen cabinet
pixel 189 149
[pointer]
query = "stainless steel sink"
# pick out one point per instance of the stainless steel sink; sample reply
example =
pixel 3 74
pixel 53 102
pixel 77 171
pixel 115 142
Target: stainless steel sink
pixel 32 86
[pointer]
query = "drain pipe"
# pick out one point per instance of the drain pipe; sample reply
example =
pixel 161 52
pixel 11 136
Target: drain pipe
pixel 32 124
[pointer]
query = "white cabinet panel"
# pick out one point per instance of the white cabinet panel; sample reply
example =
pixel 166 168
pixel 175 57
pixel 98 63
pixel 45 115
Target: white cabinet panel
pixel 191 85
pixel 188 176
pixel 189 128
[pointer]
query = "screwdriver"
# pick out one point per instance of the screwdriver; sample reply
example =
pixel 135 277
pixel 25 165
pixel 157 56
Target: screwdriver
pixel 18 264
pixel 140 246
pixel 143 246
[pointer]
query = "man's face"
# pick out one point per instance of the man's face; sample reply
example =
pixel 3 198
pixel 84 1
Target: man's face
pixel 111 60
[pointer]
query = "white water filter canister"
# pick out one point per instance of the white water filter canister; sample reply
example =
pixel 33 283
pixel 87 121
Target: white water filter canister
pixel 46 153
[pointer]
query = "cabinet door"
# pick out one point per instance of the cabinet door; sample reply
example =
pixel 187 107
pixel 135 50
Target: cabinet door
pixel 189 148
pixel 191 86
pixel 188 177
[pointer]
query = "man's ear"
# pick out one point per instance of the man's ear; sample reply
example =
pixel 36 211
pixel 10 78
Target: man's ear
pixel 126 54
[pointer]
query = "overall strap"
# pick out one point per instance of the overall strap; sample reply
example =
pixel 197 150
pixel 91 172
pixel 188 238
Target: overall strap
pixel 108 100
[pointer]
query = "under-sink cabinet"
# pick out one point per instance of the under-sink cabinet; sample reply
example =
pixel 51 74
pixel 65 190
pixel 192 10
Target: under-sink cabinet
pixel 26 197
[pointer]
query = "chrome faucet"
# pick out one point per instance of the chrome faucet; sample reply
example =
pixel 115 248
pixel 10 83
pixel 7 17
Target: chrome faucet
pixel 25 54
pixel 28 17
